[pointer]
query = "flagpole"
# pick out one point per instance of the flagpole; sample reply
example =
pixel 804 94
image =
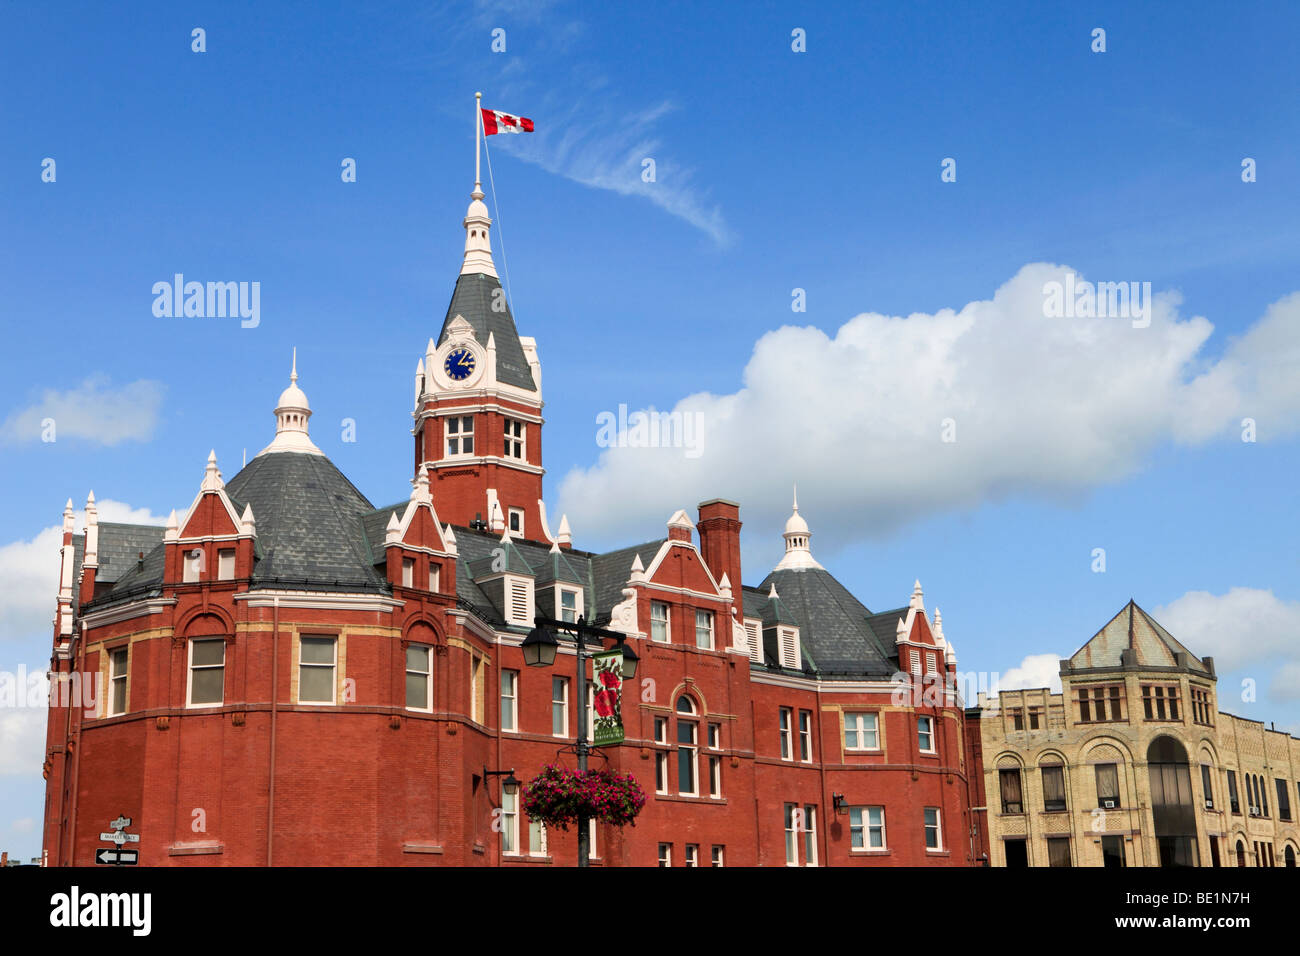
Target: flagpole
pixel 478 136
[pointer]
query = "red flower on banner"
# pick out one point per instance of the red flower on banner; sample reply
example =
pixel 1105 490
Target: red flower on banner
pixel 605 702
pixel 610 679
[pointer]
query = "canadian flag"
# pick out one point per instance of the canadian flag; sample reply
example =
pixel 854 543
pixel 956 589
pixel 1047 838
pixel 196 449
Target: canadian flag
pixel 496 122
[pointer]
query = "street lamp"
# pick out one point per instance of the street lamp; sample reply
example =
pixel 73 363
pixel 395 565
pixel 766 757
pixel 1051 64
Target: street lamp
pixel 539 649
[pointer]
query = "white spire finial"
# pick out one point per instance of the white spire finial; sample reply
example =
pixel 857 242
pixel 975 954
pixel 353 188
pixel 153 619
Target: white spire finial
pixel 291 414
pixel 798 554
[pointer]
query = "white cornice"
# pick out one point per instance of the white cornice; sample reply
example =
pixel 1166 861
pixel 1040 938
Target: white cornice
pixel 124 613
pixel 447 411
pixel 322 600
pixel 470 460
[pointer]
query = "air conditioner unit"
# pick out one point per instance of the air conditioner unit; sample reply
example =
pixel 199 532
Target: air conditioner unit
pixel 1209 804
pixel 1108 804
pixel 1254 811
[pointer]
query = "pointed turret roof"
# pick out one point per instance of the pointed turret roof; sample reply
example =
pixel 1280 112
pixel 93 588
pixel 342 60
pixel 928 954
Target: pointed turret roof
pixel 1133 629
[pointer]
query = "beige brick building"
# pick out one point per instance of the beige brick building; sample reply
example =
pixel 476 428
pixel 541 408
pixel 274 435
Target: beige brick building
pixel 1133 764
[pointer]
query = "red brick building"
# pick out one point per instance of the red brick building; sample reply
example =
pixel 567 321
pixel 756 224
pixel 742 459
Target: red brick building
pixel 286 674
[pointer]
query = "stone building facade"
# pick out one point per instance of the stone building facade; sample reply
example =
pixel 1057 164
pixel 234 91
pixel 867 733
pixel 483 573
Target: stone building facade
pixel 1134 764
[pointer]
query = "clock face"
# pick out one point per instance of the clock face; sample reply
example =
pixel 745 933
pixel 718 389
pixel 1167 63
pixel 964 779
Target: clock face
pixel 459 364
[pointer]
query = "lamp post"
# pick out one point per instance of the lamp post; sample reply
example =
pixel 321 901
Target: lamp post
pixel 539 649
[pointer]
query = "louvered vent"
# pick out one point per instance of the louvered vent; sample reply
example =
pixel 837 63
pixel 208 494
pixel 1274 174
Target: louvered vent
pixel 755 642
pixel 790 648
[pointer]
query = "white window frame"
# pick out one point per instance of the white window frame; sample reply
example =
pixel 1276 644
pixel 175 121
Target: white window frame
pixel 692 747
pixel 665 854
pixel 866 826
pixel 667 637
pixel 512 698
pixel 190 667
pixel 715 760
pixel 427 674
pixel 717 854
pixel 937 828
pixel 856 721
pixel 332 666
pixel 509 821
pixel 537 838
pixel 435 577
pixel 810 835
pixel 458 436
pixel 567 614
pixel 921 734
pixel 591 710
pixel 192 565
pixel 563 701
pixel 661 756
pixel 703 629
pixel 785 721
pixel 114 677
pixel 408 572
pixel 691 858
pixel 516 439
pixel 805 736
pixel 226 564
pixel 476 667
pixel 515 522
pixel 592 853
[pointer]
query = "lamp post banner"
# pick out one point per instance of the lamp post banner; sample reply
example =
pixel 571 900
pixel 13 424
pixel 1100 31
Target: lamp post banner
pixel 607 668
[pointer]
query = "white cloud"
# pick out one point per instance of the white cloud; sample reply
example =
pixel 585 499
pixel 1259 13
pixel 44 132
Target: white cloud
pixel 1046 406
pixel 94 410
pixel 1249 630
pixel 1036 670
pixel 22 741
pixel 29 571
pixel 23 825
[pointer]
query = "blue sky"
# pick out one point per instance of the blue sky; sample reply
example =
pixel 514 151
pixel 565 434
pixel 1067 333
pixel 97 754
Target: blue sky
pixel 775 170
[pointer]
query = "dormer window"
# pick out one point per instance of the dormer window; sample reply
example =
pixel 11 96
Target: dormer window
pixel 460 435
pixel 569 604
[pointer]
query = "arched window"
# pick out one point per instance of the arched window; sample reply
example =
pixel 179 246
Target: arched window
pixel 688 748
pixel 1241 853
pixel 1288 855
pixel 1172 808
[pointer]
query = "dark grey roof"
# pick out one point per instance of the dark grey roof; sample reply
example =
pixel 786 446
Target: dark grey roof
pixel 151 574
pixel 309 527
pixel 473 300
pixel 120 546
pixel 557 567
pixel 375 527
pixel 610 571
pixel 835 629
pixel 504 557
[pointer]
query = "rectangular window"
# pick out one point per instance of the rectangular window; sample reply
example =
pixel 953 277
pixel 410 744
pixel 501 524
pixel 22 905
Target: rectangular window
pixel 661 756
pixel 1058 851
pixel 1053 787
pixel 226 564
pixel 476 688
pixel 805 736
pixel 517 521
pixel 933 832
pixel 810 836
pixel 1108 786
pixel 693 854
pixel 509 820
pixel 717 856
pixel 559 707
pixel 316 662
pixel 514 435
pixel 925 734
pixel 408 572
pixel 1012 800
pixel 418 682
pixel 1201 712
pixel 665 854
pixel 687 750
pixel 659 622
pixel 568 605
pixel 861 732
pixel 207 672
pixel 704 630
pixel 1017 718
pixel 1233 802
pixel 591 710
pixel 1035 714
pixel 192 565
pixel 117 662
pixel 715 762
pixel 1160 701
pixel 509 699
pixel 1283 801
pixel 435 577
pixel 536 838
pixel 787 752
pixel 867 828
pixel 1207 785
pixel 460 435
pixel 792 824
pixel 1092 703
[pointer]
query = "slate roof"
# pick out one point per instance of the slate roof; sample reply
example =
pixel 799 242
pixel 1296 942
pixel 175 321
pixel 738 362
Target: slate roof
pixel 1133 628
pixel 472 299
pixel 836 631
pixel 120 546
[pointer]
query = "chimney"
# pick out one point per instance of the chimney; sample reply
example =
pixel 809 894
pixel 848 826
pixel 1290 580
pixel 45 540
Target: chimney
pixel 719 529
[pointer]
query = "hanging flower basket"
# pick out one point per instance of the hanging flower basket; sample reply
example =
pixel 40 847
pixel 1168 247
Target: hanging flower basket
pixel 558 796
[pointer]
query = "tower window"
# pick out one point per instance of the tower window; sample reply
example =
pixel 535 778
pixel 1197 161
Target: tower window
pixel 514 447
pixel 516 520
pixel 460 435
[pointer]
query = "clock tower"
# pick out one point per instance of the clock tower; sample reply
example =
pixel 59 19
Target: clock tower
pixel 478 403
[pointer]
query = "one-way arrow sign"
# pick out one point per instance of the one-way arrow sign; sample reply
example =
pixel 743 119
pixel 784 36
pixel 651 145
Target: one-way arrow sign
pixel 117 857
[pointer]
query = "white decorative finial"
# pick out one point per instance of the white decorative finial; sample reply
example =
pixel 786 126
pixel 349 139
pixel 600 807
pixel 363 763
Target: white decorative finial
pixel 771 595
pixel 796 498
pixel 293 375
pixel 798 554
pixel 291 414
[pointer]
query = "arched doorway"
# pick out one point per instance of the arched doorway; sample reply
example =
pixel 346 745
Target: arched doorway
pixel 1288 855
pixel 1241 853
pixel 1172 808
